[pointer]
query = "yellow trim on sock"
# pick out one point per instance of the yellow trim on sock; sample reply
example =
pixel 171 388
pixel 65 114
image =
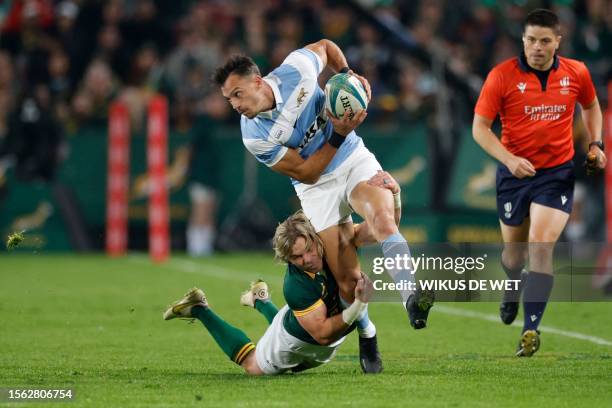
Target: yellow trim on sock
pixel 244 351
pixel 300 313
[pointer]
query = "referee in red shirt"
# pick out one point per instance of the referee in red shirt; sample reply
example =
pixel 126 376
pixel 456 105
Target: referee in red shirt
pixel 535 95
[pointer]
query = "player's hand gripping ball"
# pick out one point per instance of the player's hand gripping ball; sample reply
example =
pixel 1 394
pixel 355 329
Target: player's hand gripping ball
pixel 345 94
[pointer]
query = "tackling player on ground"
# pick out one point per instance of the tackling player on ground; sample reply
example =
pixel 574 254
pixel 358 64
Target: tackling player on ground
pixel 535 96
pixel 308 330
pixel 285 125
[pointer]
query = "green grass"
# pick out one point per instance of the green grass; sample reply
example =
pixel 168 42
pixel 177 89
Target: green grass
pixel 94 324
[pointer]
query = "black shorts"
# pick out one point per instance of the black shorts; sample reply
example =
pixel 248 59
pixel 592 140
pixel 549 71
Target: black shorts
pixel 552 187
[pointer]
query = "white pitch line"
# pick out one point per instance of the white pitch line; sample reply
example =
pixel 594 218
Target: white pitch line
pixel 221 272
pixel 206 269
pixel 492 318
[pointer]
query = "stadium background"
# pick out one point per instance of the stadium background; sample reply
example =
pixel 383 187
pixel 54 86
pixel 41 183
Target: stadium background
pixel 93 323
pixel 425 61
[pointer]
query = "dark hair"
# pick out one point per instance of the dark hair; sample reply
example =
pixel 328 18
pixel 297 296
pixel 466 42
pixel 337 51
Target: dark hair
pixel 542 18
pixel 236 64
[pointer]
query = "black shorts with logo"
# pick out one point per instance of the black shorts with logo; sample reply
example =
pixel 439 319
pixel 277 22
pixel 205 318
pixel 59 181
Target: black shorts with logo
pixel 552 187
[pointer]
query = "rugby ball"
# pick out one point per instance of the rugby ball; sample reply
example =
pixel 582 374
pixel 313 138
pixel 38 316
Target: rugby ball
pixel 345 94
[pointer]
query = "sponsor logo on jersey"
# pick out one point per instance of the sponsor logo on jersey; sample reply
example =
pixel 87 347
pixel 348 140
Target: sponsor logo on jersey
pixel 301 95
pixel 278 134
pixel 545 112
pixel 565 82
pixel 312 130
pixel 522 86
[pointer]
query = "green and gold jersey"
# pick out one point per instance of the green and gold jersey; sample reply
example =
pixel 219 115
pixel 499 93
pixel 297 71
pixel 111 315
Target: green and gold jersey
pixel 304 292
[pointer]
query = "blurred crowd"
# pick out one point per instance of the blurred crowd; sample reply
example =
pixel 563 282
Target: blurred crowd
pixel 72 57
pixel 63 62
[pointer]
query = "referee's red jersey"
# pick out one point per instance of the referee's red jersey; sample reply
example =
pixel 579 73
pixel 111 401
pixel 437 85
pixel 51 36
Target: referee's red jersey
pixel 536 118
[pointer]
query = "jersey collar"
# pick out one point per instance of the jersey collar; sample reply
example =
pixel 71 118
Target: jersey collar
pixel 522 60
pixel 273 82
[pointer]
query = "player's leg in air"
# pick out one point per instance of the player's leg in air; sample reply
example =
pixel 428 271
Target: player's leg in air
pixel 233 341
pixel 258 297
pixel 376 206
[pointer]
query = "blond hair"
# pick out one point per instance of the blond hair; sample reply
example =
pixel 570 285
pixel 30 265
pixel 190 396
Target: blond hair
pixel 288 231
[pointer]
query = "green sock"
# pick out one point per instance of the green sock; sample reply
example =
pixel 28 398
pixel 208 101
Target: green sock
pixel 268 309
pixel 234 343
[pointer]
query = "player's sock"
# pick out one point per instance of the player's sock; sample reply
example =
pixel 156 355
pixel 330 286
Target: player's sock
pixel 234 343
pixel 393 246
pixel 514 274
pixel 368 331
pixel 365 327
pixel 537 291
pixel 266 308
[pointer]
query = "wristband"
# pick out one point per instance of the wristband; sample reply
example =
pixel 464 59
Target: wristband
pixel 352 313
pixel 597 143
pixel 336 140
pixel 397 199
pixel 344 70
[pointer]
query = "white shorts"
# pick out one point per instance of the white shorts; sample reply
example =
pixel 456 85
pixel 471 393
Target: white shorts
pixel 326 203
pixel 279 351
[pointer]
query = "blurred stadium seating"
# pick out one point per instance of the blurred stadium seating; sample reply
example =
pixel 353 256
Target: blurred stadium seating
pixel 63 62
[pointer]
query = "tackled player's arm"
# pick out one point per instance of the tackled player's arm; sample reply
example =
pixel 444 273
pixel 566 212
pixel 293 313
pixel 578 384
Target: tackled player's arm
pixel 332 56
pixel 305 171
pixel 325 330
pixel 309 170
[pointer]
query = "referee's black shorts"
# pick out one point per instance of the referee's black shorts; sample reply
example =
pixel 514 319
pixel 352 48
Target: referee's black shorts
pixel 552 187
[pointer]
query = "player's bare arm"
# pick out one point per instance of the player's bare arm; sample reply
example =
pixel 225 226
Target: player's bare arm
pixel 484 136
pixel 592 118
pixel 326 330
pixel 363 233
pixel 308 171
pixel 332 56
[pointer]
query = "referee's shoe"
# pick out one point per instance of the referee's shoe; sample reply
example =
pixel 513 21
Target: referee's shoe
pixel 529 343
pixel 509 306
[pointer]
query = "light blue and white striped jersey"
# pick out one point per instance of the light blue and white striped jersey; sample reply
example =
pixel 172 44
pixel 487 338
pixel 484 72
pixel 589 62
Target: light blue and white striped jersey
pixel 298 120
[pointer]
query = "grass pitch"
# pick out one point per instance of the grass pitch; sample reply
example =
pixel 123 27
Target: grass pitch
pixel 94 325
